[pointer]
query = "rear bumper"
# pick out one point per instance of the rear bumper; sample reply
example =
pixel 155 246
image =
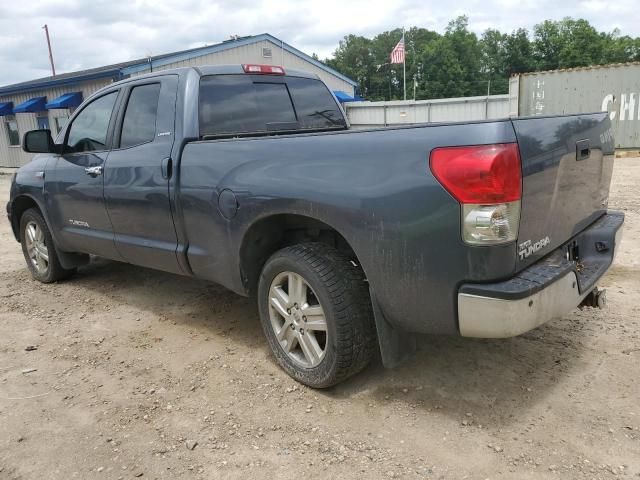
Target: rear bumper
pixel 544 291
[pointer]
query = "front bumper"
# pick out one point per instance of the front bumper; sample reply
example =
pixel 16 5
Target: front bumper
pixel 544 291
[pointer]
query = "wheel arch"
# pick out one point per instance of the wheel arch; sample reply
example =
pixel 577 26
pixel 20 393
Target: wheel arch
pixel 24 202
pixel 268 234
pixel 21 204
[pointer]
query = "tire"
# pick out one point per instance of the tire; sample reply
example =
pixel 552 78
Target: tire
pixel 338 287
pixel 39 250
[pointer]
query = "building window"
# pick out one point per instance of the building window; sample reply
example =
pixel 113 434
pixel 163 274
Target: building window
pixel 266 52
pixel 60 123
pixel 43 122
pixel 11 126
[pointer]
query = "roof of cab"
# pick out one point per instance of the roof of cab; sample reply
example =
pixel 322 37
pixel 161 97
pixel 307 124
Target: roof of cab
pixel 231 69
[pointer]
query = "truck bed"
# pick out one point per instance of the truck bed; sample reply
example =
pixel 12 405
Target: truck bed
pixel 375 188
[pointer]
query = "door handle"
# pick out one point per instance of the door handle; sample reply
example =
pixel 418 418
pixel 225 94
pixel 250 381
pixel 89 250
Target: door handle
pixel 93 171
pixel 166 167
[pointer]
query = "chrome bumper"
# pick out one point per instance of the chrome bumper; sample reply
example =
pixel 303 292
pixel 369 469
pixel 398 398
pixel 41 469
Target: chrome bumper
pixel 487 317
pixel 491 317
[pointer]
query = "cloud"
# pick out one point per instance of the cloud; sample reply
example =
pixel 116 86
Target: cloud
pixel 87 34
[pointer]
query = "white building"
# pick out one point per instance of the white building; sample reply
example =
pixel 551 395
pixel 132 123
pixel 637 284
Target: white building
pixel 48 102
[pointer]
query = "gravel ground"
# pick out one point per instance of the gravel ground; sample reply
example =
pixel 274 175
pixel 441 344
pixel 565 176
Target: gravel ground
pixel 137 373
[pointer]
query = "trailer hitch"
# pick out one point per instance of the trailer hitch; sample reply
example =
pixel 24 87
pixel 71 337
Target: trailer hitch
pixel 596 298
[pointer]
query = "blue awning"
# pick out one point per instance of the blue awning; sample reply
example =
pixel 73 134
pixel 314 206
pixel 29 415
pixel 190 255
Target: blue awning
pixel 6 108
pixel 35 104
pixel 68 100
pixel 344 97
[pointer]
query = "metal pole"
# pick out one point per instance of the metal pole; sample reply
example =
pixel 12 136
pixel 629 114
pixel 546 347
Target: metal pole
pixel 404 65
pixel 53 67
pixel 486 105
pixel 414 87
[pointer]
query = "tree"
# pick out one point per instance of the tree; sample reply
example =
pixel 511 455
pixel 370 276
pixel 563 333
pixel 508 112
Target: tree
pixel 450 65
pixel 354 59
pixel 457 63
pixel 567 43
pixel 547 43
pixel 518 52
pixel 582 45
pixel 493 61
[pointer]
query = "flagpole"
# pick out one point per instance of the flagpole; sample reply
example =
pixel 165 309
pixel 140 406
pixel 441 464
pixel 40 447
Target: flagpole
pixel 404 65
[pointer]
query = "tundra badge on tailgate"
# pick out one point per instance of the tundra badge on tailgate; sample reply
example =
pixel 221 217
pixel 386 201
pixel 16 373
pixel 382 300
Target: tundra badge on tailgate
pixel 527 248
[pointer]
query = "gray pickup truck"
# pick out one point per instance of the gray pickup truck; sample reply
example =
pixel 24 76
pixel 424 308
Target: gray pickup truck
pixel 353 241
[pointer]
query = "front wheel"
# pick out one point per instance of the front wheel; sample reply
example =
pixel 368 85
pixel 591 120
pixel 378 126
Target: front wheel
pixel 38 249
pixel 316 313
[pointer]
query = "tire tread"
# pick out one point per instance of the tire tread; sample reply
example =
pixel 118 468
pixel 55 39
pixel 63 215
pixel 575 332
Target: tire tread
pixel 350 301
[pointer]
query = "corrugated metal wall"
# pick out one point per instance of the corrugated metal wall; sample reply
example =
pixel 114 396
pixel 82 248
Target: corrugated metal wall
pixel 13 156
pixel 612 88
pixel 371 114
pixel 252 53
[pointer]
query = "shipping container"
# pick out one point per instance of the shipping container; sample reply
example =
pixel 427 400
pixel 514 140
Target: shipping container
pixel 611 88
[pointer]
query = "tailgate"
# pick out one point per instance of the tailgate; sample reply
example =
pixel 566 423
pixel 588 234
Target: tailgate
pixel 567 163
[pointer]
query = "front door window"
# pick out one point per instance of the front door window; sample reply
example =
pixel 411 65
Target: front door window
pixel 88 131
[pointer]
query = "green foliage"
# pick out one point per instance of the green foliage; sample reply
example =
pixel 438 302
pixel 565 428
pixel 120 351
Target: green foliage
pixel 458 63
pixel 450 63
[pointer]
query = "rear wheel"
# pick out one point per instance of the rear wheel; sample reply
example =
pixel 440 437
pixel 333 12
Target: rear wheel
pixel 38 249
pixel 316 314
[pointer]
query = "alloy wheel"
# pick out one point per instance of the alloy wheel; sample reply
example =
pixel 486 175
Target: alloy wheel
pixel 36 247
pixel 297 319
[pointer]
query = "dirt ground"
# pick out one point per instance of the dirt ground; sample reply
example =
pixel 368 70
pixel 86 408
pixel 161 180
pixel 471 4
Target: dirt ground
pixel 138 373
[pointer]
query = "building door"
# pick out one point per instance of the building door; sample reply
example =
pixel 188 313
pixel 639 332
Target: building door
pixel 137 173
pixel 74 182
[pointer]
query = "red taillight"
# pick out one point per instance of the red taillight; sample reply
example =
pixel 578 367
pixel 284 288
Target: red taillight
pixel 480 174
pixel 268 69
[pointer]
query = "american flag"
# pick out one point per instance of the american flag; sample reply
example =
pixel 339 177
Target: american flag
pixel 397 54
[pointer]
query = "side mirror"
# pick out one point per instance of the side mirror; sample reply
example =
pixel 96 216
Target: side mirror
pixel 38 141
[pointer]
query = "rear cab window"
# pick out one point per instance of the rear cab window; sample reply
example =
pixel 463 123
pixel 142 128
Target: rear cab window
pixel 139 124
pixel 244 105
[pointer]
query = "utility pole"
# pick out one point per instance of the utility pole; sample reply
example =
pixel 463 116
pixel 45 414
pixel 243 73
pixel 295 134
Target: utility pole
pixel 414 87
pixel 53 67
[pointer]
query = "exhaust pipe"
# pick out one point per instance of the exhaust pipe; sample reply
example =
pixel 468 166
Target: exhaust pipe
pixel 596 298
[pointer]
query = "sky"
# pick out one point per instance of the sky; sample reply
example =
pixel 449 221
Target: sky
pixel 93 33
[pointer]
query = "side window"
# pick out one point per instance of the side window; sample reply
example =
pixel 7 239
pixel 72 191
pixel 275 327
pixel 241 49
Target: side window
pixel 315 105
pixel 139 124
pixel 88 132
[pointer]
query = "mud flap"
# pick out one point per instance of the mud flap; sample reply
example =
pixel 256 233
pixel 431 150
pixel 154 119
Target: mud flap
pixel 72 260
pixel 395 345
